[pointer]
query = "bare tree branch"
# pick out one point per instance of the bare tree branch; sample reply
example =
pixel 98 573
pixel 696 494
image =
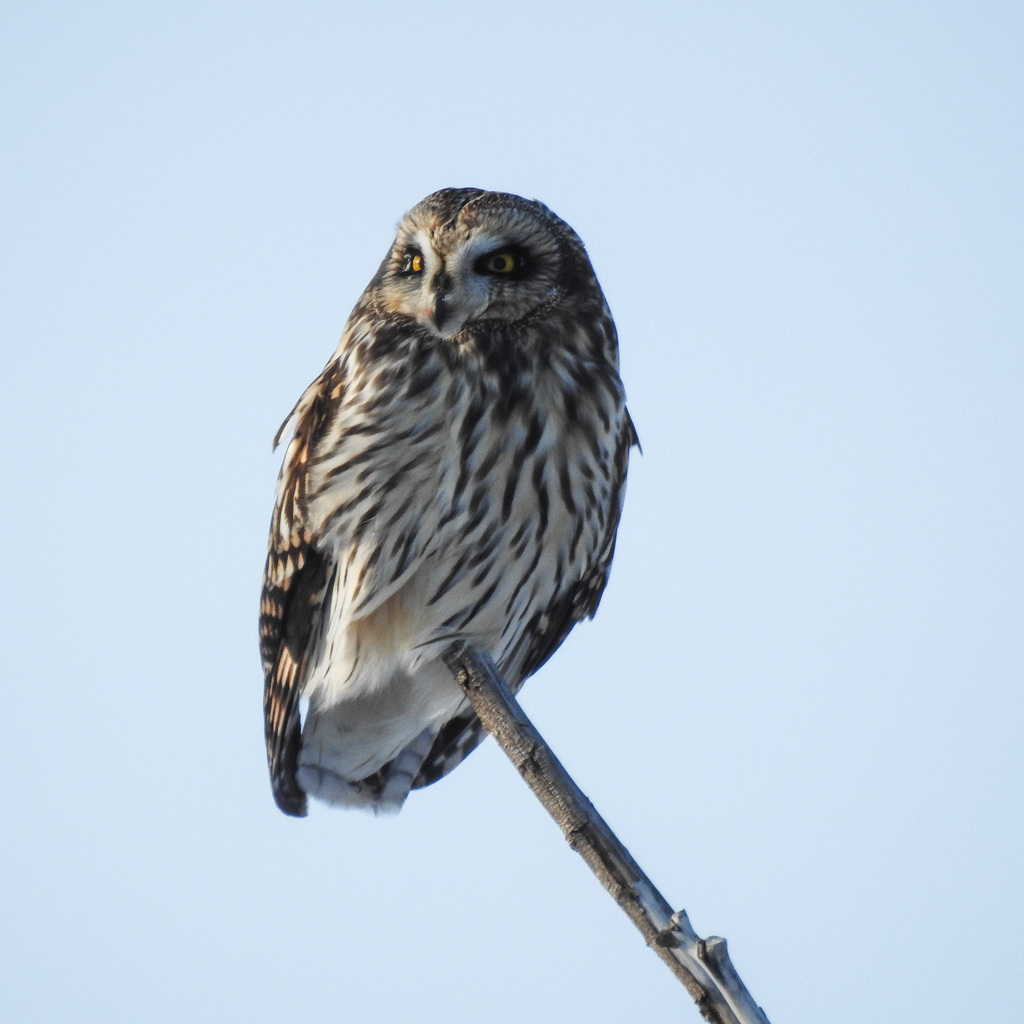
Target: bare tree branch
pixel 702 965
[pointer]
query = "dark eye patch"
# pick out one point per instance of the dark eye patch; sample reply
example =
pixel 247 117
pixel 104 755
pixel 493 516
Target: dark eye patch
pixel 412 262
pixel 511 262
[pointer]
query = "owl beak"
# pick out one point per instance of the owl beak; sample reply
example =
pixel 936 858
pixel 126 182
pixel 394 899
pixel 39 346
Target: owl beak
pixel 441 288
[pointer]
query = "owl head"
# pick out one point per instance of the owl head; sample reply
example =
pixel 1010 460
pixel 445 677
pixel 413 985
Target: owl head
pixel 464 256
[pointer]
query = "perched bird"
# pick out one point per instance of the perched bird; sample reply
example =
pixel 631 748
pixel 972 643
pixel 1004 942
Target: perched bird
pixel 456 472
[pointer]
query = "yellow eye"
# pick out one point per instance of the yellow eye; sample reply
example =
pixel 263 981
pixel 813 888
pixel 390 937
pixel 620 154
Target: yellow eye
pixel 501 263
pixel 416 266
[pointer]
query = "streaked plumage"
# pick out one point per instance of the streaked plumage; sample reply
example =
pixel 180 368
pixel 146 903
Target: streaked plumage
pixel 456 472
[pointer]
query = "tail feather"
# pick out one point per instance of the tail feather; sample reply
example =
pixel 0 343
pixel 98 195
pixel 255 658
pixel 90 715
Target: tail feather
pixel 383 792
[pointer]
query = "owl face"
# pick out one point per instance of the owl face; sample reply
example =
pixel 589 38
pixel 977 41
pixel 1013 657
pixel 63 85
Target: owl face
pixel 463 255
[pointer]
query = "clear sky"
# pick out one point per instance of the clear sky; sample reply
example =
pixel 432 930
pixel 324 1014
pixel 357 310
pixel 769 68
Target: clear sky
pixel 800 705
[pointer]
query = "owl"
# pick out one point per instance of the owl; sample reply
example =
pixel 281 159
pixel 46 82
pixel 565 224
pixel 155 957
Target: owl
pixel 455 473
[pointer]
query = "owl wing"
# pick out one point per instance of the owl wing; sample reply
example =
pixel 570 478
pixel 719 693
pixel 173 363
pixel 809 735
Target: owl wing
pixel 296 584
pixel 463 733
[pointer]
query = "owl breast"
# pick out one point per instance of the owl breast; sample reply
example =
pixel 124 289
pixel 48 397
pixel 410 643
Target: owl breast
pixel 451 510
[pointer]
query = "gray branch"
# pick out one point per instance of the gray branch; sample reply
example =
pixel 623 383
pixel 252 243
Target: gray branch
pixel 702 965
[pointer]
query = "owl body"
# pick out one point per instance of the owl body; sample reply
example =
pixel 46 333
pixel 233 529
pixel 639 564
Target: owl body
pixel 455 473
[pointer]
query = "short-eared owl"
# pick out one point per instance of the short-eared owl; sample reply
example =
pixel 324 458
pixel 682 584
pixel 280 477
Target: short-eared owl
pixel 455 473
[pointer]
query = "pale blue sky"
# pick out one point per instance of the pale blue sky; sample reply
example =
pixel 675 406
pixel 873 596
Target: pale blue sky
pixel 801 702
